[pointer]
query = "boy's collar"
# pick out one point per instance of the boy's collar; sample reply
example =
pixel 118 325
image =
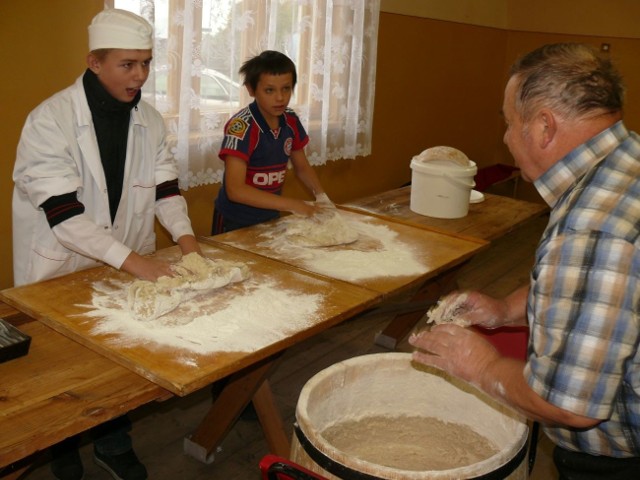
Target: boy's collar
pixel 260 120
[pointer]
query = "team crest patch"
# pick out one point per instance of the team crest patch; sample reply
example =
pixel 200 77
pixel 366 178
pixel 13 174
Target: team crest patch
pixel 237 128
pixel 288 144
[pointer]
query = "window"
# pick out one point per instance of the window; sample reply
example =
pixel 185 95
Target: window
pixel 200 46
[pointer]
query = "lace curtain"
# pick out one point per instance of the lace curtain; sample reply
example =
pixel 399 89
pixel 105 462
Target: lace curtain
pixel 201 44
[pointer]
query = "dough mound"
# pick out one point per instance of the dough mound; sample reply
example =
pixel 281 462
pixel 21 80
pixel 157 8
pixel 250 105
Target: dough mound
pixel 444 153
pixel 325 229
pixel 448 309
pixel 194 274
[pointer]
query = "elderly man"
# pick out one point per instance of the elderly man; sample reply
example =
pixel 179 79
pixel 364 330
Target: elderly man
pixel 581 381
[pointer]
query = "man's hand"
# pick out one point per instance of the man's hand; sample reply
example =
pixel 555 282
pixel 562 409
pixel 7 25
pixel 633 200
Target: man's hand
pixel 456 350
pixel 484 311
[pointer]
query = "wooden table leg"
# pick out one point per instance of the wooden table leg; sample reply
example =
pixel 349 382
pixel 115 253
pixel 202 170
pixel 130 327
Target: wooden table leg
pixel 227 407
pixel 271 421
pixel 426 296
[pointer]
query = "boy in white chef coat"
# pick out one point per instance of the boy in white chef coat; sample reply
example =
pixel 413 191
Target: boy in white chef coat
pixel 91 175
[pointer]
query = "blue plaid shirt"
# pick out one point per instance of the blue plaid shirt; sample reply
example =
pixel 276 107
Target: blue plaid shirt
pixel 585 294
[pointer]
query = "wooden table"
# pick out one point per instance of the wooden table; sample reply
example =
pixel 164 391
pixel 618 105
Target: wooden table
pixel 59 389
pixel 488 220
pixel 434 252
pixel 62 303
pixel 63 306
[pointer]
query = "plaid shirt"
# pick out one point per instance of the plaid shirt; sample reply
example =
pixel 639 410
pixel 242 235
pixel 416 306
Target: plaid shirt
pixel 585 294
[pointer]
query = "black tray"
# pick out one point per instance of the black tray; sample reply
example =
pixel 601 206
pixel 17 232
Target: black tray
pixel 13 343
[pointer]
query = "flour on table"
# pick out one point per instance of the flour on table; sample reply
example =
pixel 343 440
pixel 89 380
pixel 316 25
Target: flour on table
pixel 326 229
pixel 377 252
pixel 242 317
pixel 412 443
pixel 448 310
pixel 194 274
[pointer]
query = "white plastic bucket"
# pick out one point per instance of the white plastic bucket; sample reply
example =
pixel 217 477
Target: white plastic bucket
pixel 389 384
pixel 441 188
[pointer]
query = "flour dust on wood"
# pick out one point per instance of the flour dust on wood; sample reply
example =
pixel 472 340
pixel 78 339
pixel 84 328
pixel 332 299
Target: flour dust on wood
pixel 376 252
pixel 243 316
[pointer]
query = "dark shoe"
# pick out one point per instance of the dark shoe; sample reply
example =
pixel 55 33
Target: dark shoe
pixel 67 466
pixel 125 466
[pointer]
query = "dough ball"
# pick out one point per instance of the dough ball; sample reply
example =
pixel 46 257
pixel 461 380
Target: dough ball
pixel 326 229
pixel 448 310
pixel 193 274
pixel 146 302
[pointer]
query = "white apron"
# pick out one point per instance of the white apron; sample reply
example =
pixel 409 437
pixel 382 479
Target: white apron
pixel 57 154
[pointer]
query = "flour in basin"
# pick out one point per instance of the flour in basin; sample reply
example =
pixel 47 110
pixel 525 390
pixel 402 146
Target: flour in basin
pixel 410 442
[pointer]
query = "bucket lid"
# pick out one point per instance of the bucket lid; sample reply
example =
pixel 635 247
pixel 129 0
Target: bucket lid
pixel 437 167
pixel 441 153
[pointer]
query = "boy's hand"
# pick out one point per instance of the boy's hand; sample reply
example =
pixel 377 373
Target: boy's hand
pixel 303 208
pixel 323 201
pixel 146 268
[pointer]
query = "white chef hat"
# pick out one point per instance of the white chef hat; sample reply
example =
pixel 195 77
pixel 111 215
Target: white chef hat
pixel 115 28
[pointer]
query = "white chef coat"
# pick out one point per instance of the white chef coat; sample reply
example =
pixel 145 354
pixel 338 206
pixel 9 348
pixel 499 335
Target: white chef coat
pixel 57 154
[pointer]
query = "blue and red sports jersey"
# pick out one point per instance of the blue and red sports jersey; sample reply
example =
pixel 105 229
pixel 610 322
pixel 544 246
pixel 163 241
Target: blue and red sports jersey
pixel 248 136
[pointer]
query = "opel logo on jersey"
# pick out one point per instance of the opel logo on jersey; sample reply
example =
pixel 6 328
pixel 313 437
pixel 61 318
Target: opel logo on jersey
pixel 268 178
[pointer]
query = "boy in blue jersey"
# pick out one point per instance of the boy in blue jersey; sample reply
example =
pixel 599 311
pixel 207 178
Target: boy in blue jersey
pixel 259 142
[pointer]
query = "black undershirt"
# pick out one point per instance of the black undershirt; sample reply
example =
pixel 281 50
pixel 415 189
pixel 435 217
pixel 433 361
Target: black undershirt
pixel 111 120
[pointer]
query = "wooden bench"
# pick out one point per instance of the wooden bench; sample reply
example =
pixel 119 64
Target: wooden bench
pixel 57 390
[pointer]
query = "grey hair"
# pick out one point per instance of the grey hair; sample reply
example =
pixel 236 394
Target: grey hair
pixel 570 78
